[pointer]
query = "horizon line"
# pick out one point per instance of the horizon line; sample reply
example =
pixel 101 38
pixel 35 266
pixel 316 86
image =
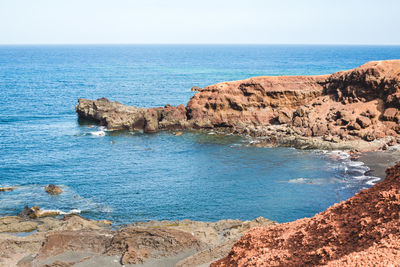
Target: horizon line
pixel 233 44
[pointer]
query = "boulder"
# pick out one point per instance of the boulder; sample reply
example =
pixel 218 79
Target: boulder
pixel 364 122
pixel 390 114
pixel 53 189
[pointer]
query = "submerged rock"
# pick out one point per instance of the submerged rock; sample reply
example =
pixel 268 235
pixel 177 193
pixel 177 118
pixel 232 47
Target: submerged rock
pixel 53 189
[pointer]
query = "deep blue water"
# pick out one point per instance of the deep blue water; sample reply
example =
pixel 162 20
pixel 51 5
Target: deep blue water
pixel 160 176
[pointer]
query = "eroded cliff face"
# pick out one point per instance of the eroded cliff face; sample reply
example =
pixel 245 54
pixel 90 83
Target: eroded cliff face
pixel 361 231
pixel 253 100
pixel 355 106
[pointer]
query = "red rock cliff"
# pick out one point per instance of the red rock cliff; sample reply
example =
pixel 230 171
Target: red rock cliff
pixel 362 103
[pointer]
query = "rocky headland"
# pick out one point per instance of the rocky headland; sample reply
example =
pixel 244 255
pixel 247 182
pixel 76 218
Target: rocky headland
pixel 354 109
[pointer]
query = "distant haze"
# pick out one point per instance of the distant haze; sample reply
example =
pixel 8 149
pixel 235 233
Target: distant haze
pixel 199 22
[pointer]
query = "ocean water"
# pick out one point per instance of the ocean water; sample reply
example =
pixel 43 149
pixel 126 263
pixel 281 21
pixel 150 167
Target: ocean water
pixel 128 177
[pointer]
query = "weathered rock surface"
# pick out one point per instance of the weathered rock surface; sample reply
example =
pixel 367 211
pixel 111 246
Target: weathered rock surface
pixel 357 108
pixel 361 231
pixel 117 116
pixel 74 240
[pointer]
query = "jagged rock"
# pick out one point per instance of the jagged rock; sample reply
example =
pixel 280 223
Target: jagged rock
pixel 53 189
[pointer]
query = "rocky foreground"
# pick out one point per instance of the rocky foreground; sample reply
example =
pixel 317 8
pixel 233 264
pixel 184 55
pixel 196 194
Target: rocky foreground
pixel 362 231
pixel 75 241
pixel 354 109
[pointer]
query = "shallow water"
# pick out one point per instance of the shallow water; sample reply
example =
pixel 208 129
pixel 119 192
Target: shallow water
pixel 125 177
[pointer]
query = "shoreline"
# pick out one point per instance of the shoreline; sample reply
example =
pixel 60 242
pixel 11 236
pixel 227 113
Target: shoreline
pixel 76 240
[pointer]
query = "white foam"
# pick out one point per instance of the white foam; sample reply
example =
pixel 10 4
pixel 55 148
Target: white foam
pixel 373 180
pixel 98 133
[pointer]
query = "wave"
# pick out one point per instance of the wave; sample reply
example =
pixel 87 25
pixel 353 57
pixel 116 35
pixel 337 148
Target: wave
pixel 351 170
pixel 60 212
pixel 98 133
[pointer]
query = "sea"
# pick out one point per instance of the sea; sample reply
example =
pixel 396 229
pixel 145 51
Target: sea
pixel 126 177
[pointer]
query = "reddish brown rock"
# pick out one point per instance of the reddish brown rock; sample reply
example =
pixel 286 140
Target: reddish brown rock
pixel 361 231
pixel 364 122
pixel 390 114
pixel 354 105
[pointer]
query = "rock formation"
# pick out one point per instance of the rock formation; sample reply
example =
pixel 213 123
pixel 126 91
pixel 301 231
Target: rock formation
pixel 73 240
pixel 116 116
pixel 348 109
pixel 361 231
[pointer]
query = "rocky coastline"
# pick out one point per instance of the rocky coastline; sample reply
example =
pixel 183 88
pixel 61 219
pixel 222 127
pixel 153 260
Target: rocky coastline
pixel 355 110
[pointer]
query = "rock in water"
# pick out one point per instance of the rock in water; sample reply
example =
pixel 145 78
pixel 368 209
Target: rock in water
pixel 6 189
pixel 53 189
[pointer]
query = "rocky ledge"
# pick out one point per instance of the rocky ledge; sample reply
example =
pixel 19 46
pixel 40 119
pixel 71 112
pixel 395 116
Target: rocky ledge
pixel 75 241
pixel 354 109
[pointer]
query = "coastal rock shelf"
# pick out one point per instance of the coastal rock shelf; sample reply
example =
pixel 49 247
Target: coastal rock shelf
pixel 75 240
pixel 354 109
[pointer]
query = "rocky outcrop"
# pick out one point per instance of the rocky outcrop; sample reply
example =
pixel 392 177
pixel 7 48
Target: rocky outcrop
pixel 348 109
pixel 355 105
pixel 361 231
pixel 116 116
pixel 74 240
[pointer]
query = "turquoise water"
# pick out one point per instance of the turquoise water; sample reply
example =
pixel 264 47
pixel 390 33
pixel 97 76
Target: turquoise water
pixel 125 177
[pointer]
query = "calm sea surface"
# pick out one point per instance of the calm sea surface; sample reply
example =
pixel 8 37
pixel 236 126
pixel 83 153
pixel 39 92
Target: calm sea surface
pixel 160 176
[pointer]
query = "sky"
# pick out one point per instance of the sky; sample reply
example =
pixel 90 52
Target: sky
pixel 200 22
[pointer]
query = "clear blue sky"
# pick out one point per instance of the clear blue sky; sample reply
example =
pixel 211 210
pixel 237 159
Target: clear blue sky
pixel 200 21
